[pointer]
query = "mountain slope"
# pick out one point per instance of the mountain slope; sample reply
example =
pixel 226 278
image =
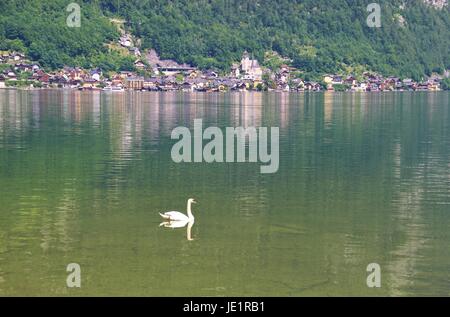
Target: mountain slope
pixel 38 28
pixel 319 35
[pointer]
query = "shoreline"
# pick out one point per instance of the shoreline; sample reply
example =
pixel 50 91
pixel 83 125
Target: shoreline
pixel 221 92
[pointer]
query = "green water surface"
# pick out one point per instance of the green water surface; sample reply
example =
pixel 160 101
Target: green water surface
pixel 363 178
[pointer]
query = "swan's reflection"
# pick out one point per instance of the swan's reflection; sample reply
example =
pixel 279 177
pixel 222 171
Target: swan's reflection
pixel 179 224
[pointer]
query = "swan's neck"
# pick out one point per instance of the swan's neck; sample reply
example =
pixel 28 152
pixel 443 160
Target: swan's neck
pixel 189 212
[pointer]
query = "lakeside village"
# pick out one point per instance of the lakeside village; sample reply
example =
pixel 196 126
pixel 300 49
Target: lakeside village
pixel 167 75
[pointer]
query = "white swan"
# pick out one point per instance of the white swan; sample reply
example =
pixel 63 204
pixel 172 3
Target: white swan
pixel 178 216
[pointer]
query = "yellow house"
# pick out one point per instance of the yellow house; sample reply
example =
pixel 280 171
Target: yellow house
pixel 434 87
pixel 328 79
pixel 256 83
pixel 194 74
pixel 87 85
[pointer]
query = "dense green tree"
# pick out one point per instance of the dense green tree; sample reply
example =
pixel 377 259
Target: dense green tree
pixel 320 36
pixel 445 84
pixel 38 28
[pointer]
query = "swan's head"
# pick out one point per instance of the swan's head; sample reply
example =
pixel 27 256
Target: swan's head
pixel 192 201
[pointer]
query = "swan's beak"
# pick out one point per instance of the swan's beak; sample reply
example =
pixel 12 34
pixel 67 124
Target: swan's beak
pixel 194 202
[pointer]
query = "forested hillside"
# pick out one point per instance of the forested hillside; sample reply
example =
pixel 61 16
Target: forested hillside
pixel 38 28
pixel 318 35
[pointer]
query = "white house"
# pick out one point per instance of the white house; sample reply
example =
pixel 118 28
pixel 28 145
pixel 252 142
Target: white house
pixel 96 76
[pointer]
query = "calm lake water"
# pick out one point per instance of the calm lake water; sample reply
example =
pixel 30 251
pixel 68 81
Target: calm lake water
pixel 363 178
